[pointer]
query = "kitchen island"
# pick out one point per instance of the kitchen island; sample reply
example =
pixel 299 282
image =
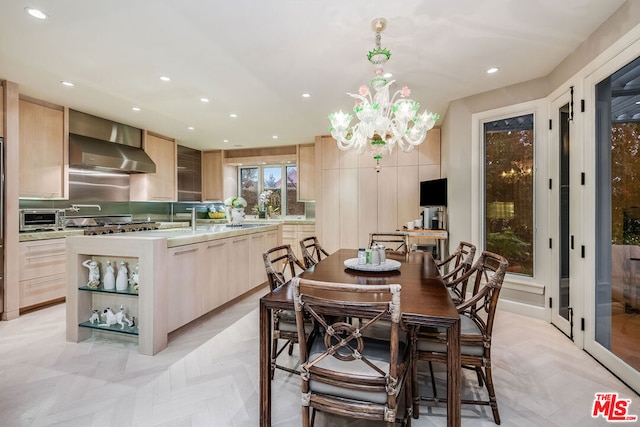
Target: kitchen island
pixel 182 275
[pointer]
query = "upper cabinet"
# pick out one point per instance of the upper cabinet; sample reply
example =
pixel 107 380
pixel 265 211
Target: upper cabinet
pixel 306 160
pixel 44 152
pixel 212 175
pixel 163 184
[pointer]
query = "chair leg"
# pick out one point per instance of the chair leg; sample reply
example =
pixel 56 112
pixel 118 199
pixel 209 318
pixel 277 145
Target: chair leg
pixel 433 382
pixel 492 393
pixel 415 387
pixel 479 375
pixel 291 347
pixel 305 416
pixel 274 355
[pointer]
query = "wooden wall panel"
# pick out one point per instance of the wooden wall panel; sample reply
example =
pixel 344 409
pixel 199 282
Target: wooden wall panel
pixel 408 195
pixel 329 215
pixel 388 199
pixel 348 220
pixel 367 205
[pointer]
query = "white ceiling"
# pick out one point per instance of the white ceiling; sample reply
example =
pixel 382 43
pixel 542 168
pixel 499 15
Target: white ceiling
pixel 256 58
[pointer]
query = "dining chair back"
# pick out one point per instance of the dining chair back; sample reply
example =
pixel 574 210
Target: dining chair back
pixel 477 315
pixel 343 371
pixel 312 252
pixel 393 241
pixel 281 265
pixel 453 268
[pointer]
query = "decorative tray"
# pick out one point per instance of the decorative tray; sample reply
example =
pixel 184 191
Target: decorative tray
pixel 388 265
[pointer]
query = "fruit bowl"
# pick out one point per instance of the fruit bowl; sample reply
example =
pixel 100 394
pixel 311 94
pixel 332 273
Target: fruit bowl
pixel 216 215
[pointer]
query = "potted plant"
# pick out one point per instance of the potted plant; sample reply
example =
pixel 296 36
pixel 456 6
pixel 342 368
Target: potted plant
pixel 235 209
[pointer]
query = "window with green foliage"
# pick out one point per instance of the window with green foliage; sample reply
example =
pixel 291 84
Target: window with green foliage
pixel 271 188
pixel 508 178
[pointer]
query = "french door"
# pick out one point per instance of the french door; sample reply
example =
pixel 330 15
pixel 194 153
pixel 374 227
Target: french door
pixel 565 243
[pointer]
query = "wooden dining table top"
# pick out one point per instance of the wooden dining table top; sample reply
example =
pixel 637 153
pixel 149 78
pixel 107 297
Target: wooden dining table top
pixel 424 298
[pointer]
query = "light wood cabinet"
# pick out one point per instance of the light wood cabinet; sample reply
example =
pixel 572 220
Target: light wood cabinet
pixel 352 200
pixel 215 290
pixel 163 184
pixel 293 233
pixel 44 153
pixel 185 286
pixel 239 265
pixel 257 247
pixel 212 175
pixel 42 271
pixel 306 163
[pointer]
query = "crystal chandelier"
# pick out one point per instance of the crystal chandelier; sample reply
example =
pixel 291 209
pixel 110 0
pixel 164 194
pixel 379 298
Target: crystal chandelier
pixel 383 121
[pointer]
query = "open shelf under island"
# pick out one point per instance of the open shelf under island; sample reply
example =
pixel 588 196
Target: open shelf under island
pixel 182 275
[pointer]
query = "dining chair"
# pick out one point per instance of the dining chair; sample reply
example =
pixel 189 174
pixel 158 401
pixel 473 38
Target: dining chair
pixel 393 241
pixel 453 268
pixel 281 265
pixel 344 372
pixel 477 316
pixel 312 252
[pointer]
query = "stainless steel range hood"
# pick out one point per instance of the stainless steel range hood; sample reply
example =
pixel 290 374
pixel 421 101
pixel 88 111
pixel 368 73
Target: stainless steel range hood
pixel 100 144
pixel 95 154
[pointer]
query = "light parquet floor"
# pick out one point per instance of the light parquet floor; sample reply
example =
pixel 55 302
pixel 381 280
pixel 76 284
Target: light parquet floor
pixel 208 376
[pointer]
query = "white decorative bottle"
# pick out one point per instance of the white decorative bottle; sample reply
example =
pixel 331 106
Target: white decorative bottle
pixel 110 277
pixel 122 281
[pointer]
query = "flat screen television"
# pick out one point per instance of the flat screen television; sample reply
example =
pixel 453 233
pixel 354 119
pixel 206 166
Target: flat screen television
pixel 434 192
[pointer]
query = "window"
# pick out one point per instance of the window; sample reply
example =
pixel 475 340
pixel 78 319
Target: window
pixel 508 190
pixel 277 183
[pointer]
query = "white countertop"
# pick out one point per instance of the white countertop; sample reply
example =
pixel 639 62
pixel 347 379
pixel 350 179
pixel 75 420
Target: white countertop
pixel 187 236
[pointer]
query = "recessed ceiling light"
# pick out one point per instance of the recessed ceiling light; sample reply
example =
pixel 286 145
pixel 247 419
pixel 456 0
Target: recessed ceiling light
pixel 492 70
pixel 36 13
pixel 66 83
pixel 233 115
pixel 275 137
pixel 165 78
pixel 306 95
pixel 204 99
pixel 225 141
pixel 190 128
pixel 135 108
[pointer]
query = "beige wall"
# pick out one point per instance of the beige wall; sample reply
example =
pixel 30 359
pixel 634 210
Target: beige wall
pixel 457 125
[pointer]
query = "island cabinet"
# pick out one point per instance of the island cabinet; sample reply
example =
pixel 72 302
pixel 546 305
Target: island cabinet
pixel 185 285
pixel 44 152
pixel 183 274
pixel 42 272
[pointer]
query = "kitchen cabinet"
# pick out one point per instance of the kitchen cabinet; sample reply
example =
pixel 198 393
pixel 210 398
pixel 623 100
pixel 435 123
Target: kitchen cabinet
pixel 216 290
pixel 212 175
pixel 44 151
pixel 353 200
pixel 240 265
pixel 163 184
pixel 292 234
pixel 306 163
pixel 42 272
pixel 185 285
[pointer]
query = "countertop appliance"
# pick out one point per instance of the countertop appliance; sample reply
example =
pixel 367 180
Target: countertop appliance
pixel 41 219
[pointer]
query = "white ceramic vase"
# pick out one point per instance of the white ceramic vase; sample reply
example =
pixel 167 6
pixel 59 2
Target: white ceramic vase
pixel 235 216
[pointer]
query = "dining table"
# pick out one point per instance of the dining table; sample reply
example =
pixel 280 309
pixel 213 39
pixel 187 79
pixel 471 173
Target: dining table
pixel 424 301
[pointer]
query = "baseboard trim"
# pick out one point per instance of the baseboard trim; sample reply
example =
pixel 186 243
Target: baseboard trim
pixel 524 309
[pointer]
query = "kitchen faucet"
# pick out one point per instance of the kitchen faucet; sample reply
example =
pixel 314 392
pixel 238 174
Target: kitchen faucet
pixel 76 208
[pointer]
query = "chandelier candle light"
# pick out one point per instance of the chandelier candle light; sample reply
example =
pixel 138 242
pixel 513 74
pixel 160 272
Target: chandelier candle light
pixel 383 122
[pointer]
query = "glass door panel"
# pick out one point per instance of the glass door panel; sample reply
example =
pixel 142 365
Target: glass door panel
pixel 560 302
pixel 617 288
